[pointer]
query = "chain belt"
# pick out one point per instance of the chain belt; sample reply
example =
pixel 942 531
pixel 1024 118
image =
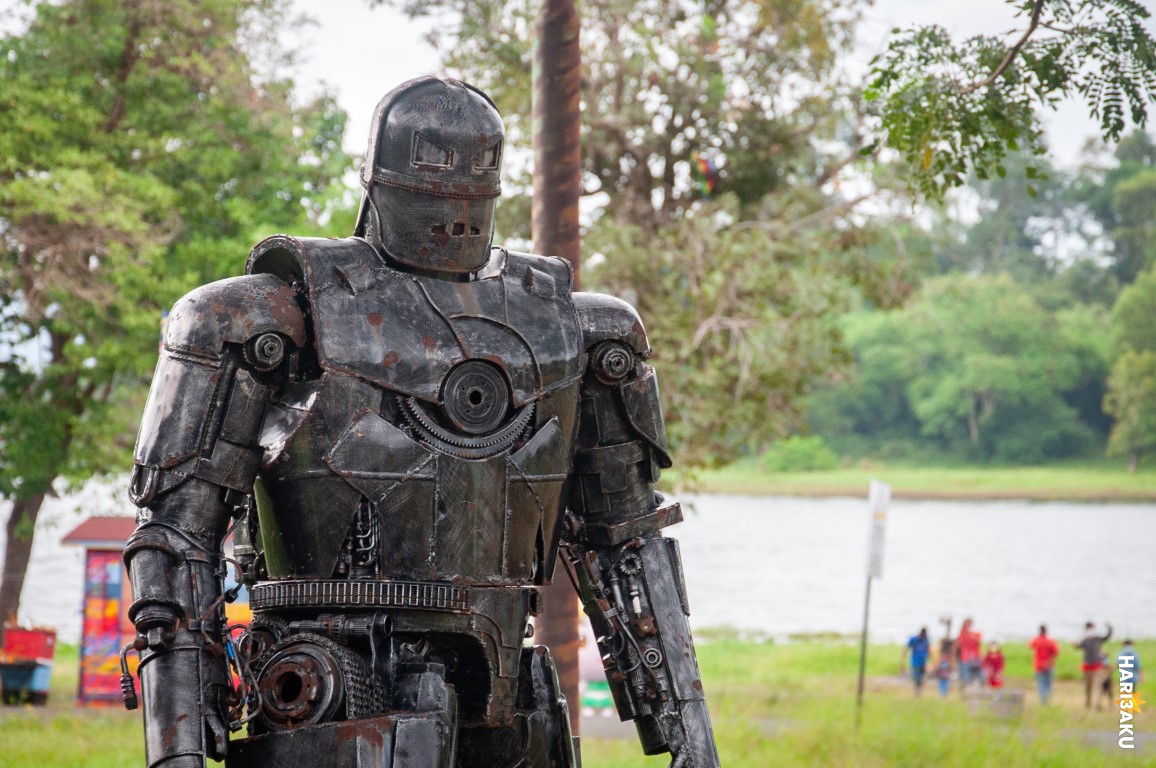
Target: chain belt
pixel 340 594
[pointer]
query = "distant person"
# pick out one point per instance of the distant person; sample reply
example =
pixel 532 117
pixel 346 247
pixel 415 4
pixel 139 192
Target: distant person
pixel 1093 664
pixel 943 668
pixel 1105 681
pixel 1044 652
pixel 967 647
pixel 919 647
pixel 1127 658
pixel 993 665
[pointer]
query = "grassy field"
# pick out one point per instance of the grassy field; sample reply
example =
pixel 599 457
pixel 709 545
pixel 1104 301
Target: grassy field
pixel 773 705
pixel 1077 481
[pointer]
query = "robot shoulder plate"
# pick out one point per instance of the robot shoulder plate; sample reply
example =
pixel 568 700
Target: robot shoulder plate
pixel 233 310
pixel 607 318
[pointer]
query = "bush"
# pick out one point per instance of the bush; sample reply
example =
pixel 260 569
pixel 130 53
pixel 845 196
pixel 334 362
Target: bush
pixel 800 454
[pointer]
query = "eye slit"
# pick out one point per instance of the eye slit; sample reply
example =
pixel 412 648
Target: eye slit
pixel 487 159
pixel 429 152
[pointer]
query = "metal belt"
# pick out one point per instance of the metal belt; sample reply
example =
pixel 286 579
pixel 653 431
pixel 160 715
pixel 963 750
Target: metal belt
pixel 359 594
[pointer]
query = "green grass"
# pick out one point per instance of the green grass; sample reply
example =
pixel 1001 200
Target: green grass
pixel 773 704
pixel 62 735
pixel 794 705
pixel 1076 481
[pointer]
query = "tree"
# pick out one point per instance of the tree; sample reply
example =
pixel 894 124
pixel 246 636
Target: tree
pixel 1131 401
pixel 975 366
pixel 951 109
pixel 1119 196
pixel 1016 232
pixel 144 153
pixel 1133 315
pixel 1131 395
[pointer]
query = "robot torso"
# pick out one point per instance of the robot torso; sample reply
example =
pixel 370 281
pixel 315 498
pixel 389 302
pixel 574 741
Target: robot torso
pixel 434 442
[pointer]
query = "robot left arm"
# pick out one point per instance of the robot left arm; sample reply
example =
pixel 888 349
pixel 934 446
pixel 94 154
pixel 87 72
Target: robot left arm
pixel 630 577
pixel 227 347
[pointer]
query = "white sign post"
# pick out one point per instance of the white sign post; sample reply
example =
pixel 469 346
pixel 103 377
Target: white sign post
pixel 878 499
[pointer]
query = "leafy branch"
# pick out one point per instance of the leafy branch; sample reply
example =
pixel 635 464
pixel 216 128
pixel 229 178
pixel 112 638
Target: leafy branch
pixel 953 109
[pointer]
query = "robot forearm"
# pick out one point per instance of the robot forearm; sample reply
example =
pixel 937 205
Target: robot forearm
pixel 179 616
pixel 636 600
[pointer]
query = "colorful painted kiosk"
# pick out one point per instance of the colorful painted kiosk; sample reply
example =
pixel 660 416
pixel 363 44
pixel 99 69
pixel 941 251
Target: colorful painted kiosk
pixel 106 629
pixel 107 594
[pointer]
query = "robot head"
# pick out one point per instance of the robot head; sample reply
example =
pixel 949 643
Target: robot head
pixel 432 175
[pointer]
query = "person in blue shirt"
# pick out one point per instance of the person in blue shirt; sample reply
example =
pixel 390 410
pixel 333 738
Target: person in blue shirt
pixel 920 648
pixel 1129 659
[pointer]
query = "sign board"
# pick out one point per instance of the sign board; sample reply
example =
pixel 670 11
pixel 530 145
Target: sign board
pixel 878 500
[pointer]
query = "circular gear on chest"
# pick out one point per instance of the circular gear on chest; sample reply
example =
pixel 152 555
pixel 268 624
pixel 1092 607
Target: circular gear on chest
pixel 476 397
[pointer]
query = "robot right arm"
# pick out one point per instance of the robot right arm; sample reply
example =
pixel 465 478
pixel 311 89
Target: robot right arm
pixel 228 346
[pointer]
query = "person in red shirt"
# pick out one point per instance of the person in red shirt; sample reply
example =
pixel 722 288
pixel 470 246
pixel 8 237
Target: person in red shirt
pixel 967 647
pixel 1044 651
pixel 993 664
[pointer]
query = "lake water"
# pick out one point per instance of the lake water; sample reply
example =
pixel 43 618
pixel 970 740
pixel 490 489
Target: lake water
pixel 792 565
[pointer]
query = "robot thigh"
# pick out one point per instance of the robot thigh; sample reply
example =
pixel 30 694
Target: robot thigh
pixel 540 735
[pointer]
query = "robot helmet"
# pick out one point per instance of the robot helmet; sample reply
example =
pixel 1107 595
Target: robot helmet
pixel 432 175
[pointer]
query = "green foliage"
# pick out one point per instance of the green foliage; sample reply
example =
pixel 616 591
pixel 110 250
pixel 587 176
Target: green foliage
pixel 929 475
pixel 950 109
pixel 1134 315
pixel 1131 400
pixel 1120 198
pixel 142 154
pixel 145 155
pixel 742 322
pixel 750 84
pixel 800 453
pixel 1016 231
pixel 975 366
pixel 1131 394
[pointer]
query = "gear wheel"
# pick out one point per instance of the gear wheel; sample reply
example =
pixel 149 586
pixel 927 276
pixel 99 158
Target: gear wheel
pixel 464 446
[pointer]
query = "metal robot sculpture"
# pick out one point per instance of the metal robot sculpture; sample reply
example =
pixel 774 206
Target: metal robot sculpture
pixel 401 430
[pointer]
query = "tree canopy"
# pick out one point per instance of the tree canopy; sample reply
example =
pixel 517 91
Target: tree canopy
pixel 950 109
pixel 145 151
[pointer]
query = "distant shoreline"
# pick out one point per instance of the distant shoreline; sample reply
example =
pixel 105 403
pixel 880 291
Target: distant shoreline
pixel 1068 482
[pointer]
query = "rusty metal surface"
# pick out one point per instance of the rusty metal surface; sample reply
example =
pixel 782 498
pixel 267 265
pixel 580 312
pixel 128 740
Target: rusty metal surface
pixel 403 447
pixel 432 174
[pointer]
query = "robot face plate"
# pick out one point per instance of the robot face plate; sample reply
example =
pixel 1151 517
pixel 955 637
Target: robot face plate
pixel 433 175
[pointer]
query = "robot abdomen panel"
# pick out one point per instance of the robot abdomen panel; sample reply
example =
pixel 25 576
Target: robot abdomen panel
pixel 305 507
pixel 303 523
pixel 397 475
pixel 534 478
pixel 470 519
